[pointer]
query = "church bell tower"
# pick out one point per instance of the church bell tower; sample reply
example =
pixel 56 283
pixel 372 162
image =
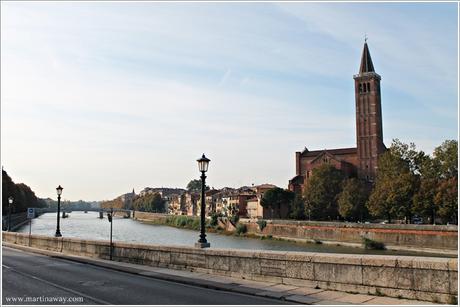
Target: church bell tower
pixel 369 132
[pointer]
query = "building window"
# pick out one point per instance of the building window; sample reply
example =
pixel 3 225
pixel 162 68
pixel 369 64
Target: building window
pixel 360 88
pixel 368 87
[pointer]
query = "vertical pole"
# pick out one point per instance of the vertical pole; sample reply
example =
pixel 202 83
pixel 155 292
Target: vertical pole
pixel 111 223
pixel 9 216
pixel 30 229
pixel 202 233
pixel 58 230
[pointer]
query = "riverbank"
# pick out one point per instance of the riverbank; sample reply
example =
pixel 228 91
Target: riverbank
pixel 439 239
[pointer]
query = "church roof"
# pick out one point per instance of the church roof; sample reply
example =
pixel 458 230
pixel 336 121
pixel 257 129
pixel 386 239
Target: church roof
pixel 366 61
pixel 339 151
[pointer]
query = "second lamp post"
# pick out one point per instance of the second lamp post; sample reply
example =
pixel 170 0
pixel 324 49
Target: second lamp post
pixel 203 164
pixel 10 203
pixel 59 192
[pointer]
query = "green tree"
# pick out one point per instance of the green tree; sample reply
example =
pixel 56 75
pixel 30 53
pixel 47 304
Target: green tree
pixel 446 159
pixel 23 196
pixel 434 187
pixel 195 186
pixel 298 208
pixel 446 199
pixel 152 202
pixel 275 198
pixel 158 203
pixel 321 192
pixel 353 198
pixel 395 184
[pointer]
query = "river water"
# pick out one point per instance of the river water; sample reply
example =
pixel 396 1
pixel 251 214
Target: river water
pixel 89 226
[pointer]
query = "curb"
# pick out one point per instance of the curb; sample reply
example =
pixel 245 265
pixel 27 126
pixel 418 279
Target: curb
pixel 115 265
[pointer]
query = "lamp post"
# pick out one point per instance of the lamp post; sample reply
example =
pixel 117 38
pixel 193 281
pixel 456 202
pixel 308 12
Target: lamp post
pixel 203 164
pixel 59 192
pixel 110 218
pixel 10 202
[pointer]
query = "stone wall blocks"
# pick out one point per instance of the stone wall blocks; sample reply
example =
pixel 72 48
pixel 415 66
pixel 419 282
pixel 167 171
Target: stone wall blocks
pixel 430 263
pixel 337 258
pixel 453 282
pixel 436 281
pixel 378 260
pixel 218 263
pixel 401 278
pixel 297 256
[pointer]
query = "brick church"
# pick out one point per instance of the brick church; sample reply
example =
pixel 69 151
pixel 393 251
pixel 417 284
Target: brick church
pixel 359 161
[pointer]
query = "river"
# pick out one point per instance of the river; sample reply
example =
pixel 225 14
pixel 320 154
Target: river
pixel 89 226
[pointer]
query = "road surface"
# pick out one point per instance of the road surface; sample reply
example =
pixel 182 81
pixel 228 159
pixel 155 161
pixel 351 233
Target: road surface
pixel 36 279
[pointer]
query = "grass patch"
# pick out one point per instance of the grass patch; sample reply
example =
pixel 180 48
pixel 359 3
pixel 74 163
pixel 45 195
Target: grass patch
pixel 183 221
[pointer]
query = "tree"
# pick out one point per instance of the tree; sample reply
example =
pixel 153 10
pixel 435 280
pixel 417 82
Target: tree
pixel 353 198
pixel 446 199
pixel 150 203
pixel 275 198
pixel 298 208
pixel 321 192
pixel 434 181
pixel 446 159
pixel 158 203
pixel 195 186
pixel 395 184
pixel 23 196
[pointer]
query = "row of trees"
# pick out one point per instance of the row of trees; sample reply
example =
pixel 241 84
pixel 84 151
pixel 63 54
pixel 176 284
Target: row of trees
pixel 409 183
pixel 150 203
pixel 23 196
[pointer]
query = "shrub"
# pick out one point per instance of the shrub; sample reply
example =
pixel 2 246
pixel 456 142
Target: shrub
pixel 234 219
pixel 371 244
pixel 262 224
pixel 196 224
pixel 214 218
pixel 241 228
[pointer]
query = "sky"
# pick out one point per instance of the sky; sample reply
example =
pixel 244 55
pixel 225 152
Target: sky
pixel 104 97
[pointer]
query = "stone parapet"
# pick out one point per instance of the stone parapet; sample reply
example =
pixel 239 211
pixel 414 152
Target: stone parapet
pixel 421 278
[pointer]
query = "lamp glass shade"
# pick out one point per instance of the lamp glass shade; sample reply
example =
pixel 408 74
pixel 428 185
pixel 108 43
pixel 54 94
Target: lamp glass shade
pixel 203 163
pixel 10 200
pixel 59 190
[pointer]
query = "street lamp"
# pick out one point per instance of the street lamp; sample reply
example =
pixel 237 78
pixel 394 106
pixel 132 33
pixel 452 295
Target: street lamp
pixel 203 164
pixel 10 202
pixel 59 192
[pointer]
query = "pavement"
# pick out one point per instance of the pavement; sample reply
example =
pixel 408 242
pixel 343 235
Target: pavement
pixel 280 292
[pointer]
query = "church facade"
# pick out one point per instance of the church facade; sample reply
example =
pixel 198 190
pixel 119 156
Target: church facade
pixel 359 161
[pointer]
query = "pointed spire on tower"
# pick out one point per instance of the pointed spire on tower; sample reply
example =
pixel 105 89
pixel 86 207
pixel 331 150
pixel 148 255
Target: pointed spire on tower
pixel 366 61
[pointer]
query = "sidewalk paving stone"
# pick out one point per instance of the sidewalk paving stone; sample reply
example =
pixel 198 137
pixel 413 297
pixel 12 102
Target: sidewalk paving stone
pixel 382 300
pixel 305 291
pixel 328 295
pixel 329 302
pixel 356 298
pixel 303 299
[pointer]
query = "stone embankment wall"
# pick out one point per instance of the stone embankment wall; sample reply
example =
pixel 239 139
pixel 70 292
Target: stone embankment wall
pixel 423 278
pixel 397 235
pixel 149 216
pixel 418 236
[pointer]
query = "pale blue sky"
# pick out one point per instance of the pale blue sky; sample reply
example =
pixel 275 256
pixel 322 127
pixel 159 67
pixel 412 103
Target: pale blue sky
pixel 104 97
